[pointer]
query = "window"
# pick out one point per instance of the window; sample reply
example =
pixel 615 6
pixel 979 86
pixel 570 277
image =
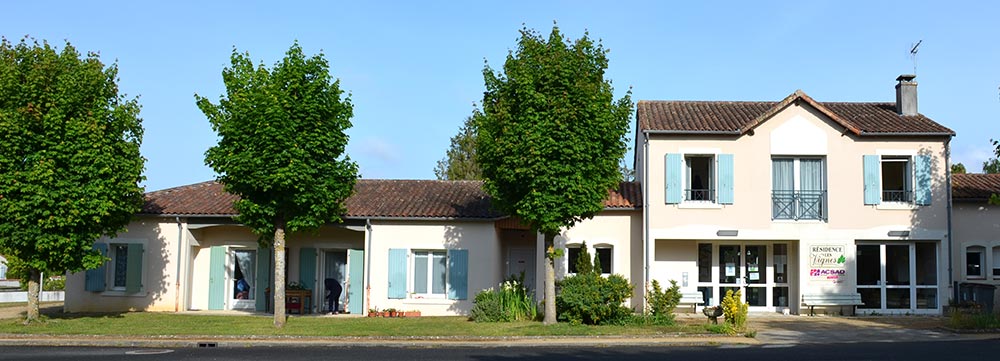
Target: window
pixel 897 184
pixel 429 273
pixel 798 189
pixel 996 262
pixel 123 272
pixel 699 178
pixel 974 261
pixel 572 255
pixel 603 253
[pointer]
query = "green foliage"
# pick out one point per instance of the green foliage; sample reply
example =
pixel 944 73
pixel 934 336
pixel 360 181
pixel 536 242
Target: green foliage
pixel 459 162
pixel 50 284
pixel 592 299
pixel 552 132
pixel 735 312
pixel 974 320
pixel 958 168
pixel 583 265
pixel 663 302
pixel 512 301
pixel 282 142
pixel 70 164
pixel 994 198
pixel 991 166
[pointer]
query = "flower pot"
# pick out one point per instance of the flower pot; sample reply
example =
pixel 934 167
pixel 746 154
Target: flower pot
pixel 385 314
pixel 372 314
pixel 412 313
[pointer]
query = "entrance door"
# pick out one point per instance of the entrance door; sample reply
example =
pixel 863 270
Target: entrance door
pixel 335 267
pixel 522 260
pixel 759 270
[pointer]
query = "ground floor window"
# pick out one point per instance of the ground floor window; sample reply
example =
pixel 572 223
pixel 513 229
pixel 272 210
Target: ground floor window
pixel 897 276
pixel 429 272
pixel 603 252
pixel 974 261
pixel 996 262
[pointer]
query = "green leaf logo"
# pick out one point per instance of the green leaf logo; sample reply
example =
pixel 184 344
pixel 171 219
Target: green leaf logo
pixel 842 259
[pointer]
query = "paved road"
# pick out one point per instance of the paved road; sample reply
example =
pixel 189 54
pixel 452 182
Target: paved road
pixel 908 351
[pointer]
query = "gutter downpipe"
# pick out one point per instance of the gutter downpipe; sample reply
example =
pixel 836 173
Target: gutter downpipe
pixel 368 262
pixel 177 275
pixel 947 162
pixel 646 249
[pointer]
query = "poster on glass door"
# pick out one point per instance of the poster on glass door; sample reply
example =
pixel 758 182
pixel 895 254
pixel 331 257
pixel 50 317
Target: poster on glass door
pixel 827 263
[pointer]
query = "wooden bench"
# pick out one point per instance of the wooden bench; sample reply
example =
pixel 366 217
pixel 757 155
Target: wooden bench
pixel 692 298
pixel 832 299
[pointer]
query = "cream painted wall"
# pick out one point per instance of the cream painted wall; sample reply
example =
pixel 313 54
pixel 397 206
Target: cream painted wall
pixel 159 239
pixel 620 229
pixel 976 224
pixel 752 190
pixel 479 238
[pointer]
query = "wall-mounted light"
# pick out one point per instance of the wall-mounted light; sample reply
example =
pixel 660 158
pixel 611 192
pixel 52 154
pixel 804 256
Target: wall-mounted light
pixel 727 233
pixel 899 233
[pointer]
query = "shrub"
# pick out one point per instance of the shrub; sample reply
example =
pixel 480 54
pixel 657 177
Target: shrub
pixel 510 302
pixel 57 283
pixel 592 299
pixel 735 312
pixel 663 302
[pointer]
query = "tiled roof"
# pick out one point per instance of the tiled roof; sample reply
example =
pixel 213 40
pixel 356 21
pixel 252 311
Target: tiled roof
pixel 974 187
pixel 740 117
pixel 373 198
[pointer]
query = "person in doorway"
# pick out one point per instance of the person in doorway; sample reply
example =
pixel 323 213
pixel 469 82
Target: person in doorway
pixel 333 290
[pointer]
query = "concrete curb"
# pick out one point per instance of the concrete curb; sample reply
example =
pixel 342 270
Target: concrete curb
pixel 485 342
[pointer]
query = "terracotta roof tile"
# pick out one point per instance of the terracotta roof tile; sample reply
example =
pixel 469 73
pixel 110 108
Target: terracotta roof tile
pixel 974 187
pixel 739 117
pixel 373 198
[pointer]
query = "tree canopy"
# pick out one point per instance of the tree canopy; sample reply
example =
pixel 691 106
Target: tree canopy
pixel 551 136
pixel 958 168
pixel 70 165
pixel 459 162
pixel 281 148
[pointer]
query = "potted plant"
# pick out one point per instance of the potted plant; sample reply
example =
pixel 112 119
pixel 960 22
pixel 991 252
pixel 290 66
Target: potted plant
pixel 712 313
pixel 391 312
pixel 373 312
pixel 413 313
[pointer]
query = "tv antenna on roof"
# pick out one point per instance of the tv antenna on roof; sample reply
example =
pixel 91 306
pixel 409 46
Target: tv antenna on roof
pixel 913 55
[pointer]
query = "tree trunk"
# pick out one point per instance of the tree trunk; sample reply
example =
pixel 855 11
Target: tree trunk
pixel 32 313
pixel 550 280
pixel 279 275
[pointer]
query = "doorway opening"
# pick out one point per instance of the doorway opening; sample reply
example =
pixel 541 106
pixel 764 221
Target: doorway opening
pixel 760 270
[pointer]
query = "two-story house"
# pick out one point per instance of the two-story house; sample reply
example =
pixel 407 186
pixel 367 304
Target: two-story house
pixel 795 197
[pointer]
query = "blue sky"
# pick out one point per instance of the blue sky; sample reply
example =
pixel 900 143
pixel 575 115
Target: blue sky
pixel 415 68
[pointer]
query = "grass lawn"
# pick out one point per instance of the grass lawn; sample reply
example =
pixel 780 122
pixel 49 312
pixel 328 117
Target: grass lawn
pixel 170 324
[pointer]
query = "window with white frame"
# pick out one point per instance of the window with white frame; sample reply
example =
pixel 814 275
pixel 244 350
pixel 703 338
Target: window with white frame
pixel 119 274
pixel 699 178
pixel 897 179
pixel 430 272
pixel 996 262
pixel 974 261
pixel 604 254
pixel 798 188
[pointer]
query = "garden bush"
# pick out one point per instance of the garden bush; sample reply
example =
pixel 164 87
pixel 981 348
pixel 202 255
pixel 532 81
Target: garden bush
pixel 663 302
pixel 511 301
pixel 735 312
pixel 592 299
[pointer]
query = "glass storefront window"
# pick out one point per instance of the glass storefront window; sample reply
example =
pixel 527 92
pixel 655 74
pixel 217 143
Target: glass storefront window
pixel 729 264
pixel 705 262
pixel 781 263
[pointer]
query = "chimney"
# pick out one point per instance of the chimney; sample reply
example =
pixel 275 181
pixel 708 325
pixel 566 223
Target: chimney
pixel 906 95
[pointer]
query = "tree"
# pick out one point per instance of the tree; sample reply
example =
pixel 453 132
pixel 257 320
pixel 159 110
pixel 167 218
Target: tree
pixel 70 165
pixel 994 198
pixel 459 162
pixel 958 168
pixel 991 166
pixel 281 149
pixel 551 137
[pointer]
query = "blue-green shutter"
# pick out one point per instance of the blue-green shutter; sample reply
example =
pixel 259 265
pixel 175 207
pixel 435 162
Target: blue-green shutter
pixel 217 278
pixel 356 279
pixel 133 275
pixel 922 189
pixel 458 274
pixel 873 183
pixel 263 281
pixel 726 179
pixel 95 278
pixel 672 178
pixel 307 267
pixel 397 273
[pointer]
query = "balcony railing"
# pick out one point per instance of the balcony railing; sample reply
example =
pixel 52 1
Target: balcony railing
pixel 897 196
pixel 798 205
pixel 707 195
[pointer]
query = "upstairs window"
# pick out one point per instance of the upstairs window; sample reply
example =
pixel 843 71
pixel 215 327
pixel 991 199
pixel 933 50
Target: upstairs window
pixel 897 179
pixel 699 179
pixel 897 184
pixel 798 188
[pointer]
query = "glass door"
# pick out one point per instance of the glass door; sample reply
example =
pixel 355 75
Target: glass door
pixel 755 263
pixel 898 277
pixel 730 265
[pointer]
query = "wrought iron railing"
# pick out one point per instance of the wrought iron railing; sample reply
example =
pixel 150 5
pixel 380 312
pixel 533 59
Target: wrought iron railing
pixel 897 196
pixel 797 205
pixel 699 195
